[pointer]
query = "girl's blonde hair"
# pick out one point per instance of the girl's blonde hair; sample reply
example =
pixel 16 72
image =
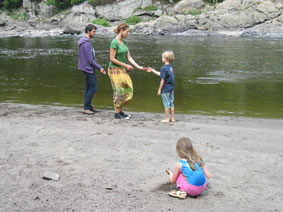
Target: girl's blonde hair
pixel 168 55
pixel 121 27
pixel 185 149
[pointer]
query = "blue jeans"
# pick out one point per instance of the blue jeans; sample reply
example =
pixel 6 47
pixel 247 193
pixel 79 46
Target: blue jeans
pixel 90 89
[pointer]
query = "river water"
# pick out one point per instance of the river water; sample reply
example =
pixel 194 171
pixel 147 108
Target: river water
pixel 213 75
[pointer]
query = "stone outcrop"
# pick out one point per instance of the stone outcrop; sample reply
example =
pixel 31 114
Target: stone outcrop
pixel 121 10
pixel 166 25
pixel 232 14
pixel 261 18
pixel 35 9
pixel 186 6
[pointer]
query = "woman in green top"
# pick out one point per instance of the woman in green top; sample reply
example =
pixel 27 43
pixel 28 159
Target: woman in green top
pixel 121 82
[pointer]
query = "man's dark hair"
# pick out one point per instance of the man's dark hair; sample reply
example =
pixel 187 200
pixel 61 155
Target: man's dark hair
pixel 89 27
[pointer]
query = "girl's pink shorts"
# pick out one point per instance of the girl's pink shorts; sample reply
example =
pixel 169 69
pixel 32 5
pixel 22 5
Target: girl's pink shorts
pixel 192 190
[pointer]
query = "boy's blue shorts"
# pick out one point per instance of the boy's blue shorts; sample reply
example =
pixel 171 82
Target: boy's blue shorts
pixel 168 99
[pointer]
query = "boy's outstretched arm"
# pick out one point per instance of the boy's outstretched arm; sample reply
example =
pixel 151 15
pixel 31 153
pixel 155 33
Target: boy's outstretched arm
pixel 154 71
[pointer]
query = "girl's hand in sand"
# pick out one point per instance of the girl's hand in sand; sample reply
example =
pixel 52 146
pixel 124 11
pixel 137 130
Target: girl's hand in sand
pixel 168 171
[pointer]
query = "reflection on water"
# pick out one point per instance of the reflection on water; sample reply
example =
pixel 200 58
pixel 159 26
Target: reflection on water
pixel 225 76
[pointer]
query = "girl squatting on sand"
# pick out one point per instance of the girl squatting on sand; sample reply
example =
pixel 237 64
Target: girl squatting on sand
pixel 189 173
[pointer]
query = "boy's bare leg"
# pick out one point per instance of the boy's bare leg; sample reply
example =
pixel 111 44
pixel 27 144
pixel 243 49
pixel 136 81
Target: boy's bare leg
pixel 166 120
pixel 172 114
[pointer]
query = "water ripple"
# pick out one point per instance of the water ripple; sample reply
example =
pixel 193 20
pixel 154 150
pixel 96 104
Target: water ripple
pixel 23 53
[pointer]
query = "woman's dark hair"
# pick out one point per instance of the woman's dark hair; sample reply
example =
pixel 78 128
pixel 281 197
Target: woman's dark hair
pixel 89 27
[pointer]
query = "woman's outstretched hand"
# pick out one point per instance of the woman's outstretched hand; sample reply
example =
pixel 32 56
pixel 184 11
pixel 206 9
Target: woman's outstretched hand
pixel 148 69
pixel 142 68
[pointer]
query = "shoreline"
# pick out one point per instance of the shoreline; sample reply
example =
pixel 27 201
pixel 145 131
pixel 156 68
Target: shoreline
pixel 106 164
pixel 48 30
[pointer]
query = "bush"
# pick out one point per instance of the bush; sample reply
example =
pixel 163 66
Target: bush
pixel 75 2
pixel 150 7
pixel 10 4
pixel 195 12
pixel 133 20
pixel 95 3
pixel 101 21
pixel 60 4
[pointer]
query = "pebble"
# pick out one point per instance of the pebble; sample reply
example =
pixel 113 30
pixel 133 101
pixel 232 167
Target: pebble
pixel 50 176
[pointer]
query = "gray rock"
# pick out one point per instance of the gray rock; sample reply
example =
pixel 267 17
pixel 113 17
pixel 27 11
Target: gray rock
pixel 121 9
pixel 146 3
pixel 166 25
pixel 186 5
pixel 45 10
pixel 271 29
pixel 70 30
pixel 84 8
pixel 50 176
pixel 3 23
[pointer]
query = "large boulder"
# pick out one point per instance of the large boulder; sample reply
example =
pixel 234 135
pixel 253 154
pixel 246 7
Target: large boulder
pixel 166 25
pixel 186 6
pixel 71 30
pixel 273 28
pixel 81 14
pixel 84 8
pixel 235 14
pixel 120 10
pixel 46 10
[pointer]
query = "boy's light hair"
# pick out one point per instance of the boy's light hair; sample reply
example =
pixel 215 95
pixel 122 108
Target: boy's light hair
pixel 169 56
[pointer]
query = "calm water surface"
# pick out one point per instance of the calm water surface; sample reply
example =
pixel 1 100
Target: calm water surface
pixel 214 76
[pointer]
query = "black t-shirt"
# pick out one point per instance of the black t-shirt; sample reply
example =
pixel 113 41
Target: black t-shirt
pixel 167 73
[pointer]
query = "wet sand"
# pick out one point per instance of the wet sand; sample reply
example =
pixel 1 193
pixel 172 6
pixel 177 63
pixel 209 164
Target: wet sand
pixel 117 165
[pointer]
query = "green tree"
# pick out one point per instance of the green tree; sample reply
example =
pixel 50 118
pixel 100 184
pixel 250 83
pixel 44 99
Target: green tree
pixel 95 3
pixel 60 4
pixel 10 4
pixel 75 2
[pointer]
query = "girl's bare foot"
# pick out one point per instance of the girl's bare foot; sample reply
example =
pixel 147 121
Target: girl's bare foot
pixel 165 121
pixel 173 120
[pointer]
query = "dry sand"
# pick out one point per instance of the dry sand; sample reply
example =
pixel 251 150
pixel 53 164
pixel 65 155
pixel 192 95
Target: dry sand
pixel 112 165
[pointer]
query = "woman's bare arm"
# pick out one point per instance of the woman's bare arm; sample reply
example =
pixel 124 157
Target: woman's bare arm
pixel 117 62
pixel 133 62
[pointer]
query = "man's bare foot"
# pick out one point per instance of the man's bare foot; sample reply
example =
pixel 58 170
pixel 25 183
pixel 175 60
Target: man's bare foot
pixel 165 121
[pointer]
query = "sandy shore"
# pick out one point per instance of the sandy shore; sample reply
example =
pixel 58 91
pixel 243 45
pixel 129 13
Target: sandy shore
pixel 112 165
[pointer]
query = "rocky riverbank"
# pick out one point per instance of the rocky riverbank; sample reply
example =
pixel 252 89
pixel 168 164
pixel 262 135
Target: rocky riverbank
pixel 246 18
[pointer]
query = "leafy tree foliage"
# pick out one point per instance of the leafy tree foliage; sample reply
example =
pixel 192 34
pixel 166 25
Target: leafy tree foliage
pixel 100 2
pixel 10 4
